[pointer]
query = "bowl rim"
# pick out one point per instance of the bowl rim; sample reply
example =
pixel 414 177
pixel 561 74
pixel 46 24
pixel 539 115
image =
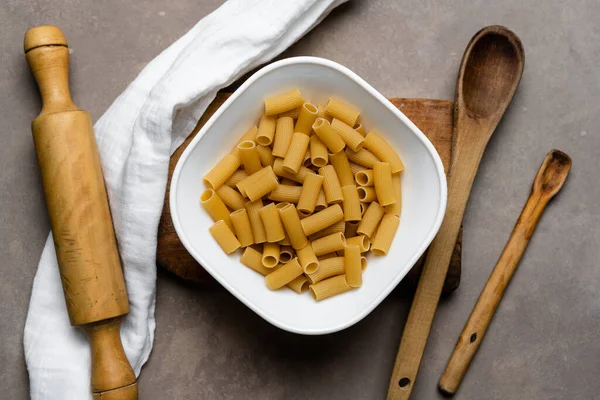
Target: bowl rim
pixel 385 103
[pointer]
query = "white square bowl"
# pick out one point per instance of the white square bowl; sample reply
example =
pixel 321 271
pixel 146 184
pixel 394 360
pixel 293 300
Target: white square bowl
pixel 423 190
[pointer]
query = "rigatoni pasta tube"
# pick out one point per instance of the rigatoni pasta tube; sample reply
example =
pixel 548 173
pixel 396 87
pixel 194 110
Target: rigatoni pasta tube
pixel 322 219
pixel 396 208
pixel 242 227
pixel 385 234
pixel 299 285
pixel 308 259
pixel 259 183
pixel 283 136
pixel 362 241
pixel 362 157
pixel 222 171
pixel 231 197
pixel 353 139
pixel 351 204
pixel 358 127
pixel 307 117
pixel 214 206
pixel 287 193
pixel 293 114
pixel 249 135
pixel 318 152
pixel 258 229
pixel 364 177
pixel 342 111
pixel 265 155
pixel 331 185
pixel 342 168
pixel 299 177
pixel 384 188
pixel 384 151
pixel 284 275
pixel 328 267
pixel 328 136
pixel 286 253
pixel 266 130
pixel 224 237
pixel 370 220
pixel 321 201
pixel 307 160
pixel 236 178
pixel 339 226
pixel 272 223
pixel 355 168
pixel 309 193
pixel 328 244
pixel 353 266
pixel 270 255
pixel 249 157
pixel 293 226
pixel 295 154
pixel 253 260
pixel 284 102
pixel 367 194
pixel 329 287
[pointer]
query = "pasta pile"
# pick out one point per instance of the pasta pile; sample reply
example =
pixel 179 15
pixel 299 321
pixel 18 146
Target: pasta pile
pixel 306 194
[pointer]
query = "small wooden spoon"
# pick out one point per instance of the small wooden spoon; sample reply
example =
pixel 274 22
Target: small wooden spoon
pixel 489 74
pixel 548 181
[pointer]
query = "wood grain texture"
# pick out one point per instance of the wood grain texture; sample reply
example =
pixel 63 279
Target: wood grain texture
pixel 433 117
pixel 82 229
pixel 548 182
pixel 489 75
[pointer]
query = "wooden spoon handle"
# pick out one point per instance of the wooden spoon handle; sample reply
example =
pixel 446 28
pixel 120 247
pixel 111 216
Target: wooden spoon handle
pixel 549 180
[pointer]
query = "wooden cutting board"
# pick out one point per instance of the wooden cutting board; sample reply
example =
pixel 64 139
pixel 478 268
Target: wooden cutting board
pixel 433 117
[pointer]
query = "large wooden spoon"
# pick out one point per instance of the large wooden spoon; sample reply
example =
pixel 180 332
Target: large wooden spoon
pixel 548 182
pixel 489 74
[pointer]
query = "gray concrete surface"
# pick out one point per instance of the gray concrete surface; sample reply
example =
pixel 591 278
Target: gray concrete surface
pixel 543 341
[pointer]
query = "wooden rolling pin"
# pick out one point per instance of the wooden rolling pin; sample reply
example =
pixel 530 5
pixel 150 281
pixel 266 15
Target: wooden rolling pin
pixel 82 228
pixel 548 182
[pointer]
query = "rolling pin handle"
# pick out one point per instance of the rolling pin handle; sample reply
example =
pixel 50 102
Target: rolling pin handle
pixel 47 54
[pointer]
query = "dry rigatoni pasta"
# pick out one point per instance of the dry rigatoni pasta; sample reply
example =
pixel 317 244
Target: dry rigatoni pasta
pixel 231 197
pixel 286 253
pixel 362 157
pixel 283 136
pixel 362 241
pixel 351 204
pixel 307 117
pixel 353 139
pixel 342 111
pixel 364 177
pixel 367 194
pixel 370 220
pixel 249 135
pixel 331 185
pixel 224 237
pixel 308 259
pixel 242 227
pixel 293 226
pixel 272 223
pixel 286 193
pixel 355 168
pixel 293 114
pixel 385 234
pixel 321 201
pixel 284 102
pixel 309 193
pixel 295 154
pixel 307 160
pixel 329 287
pixel 328 136
pixel 236 178
pixel 322 219
pixel 384 151
pixel 396 207
pixel 339 226
pixel 328 267
pixel 222 171
pixel 258 184
pixel 384 188
pixel 266 130
pixel 265 155
pixel 253 260
pixel 299 285
pixel 270 255
pixel 329 244
pixel 353 266
pixel 215 207
pixel 340 163
pixel 249 157
pixel 258 229
pixel 298 177
pixel 358 127
pixel 318 152
pixel 284 275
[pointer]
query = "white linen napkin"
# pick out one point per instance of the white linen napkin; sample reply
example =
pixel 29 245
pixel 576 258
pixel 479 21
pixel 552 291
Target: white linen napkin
pixel 136 137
